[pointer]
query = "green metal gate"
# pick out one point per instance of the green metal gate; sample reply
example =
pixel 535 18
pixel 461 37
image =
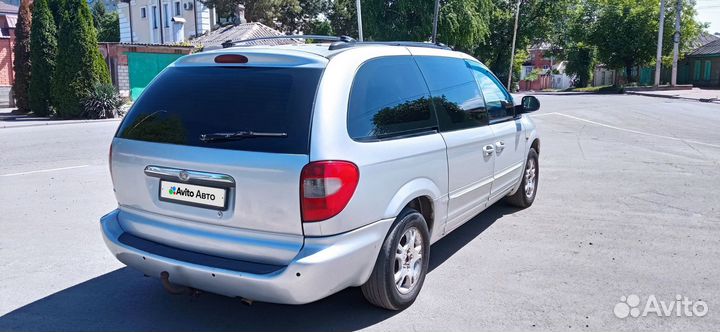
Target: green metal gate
pixel 143 67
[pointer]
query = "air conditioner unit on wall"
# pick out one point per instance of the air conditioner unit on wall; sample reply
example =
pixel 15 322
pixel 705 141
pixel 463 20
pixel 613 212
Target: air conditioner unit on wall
pixel 188 6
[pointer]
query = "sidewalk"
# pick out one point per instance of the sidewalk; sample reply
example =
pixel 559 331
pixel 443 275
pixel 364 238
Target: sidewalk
pixel 9 120
pixel 697 94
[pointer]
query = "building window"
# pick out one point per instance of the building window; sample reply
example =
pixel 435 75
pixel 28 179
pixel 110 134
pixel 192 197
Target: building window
pixel 177 8
pixel 696 72
pixel 166 9
pixel 708 67
pixel 143 12
pixel 155 17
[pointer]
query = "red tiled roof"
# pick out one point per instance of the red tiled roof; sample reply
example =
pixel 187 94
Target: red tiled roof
pixel 240 32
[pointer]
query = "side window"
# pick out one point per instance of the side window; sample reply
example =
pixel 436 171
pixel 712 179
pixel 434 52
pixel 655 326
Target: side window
pixel 389 98
pixel 455 94
pixel 167 15
pixel 498 102
pixel 155 17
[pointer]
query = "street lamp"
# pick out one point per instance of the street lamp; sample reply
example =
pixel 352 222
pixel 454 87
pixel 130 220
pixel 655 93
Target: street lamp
pixel 436 17
pixel 512 50
pixel 359 17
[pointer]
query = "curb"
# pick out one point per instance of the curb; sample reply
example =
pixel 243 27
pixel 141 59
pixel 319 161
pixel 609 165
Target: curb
pixel 559 93
pixel 55 123
pixel 569 93
pixel 670 97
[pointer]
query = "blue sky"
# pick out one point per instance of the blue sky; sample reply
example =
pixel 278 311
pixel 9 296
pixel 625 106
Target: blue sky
pixel 709 11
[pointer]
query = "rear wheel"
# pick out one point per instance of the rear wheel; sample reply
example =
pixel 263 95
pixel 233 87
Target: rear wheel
pixel 525 195
pixel 401 266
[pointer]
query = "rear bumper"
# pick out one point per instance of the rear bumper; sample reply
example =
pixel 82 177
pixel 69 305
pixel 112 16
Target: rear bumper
pixel 324 266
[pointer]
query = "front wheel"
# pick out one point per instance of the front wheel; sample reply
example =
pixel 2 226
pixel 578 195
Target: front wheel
pixel 525 195
pixel 401 266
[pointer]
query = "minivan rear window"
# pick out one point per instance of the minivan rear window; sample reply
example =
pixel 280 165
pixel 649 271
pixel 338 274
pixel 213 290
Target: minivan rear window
pixel 184 103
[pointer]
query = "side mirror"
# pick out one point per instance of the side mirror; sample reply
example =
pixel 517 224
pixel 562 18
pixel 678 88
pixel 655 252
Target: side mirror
pixel 529 104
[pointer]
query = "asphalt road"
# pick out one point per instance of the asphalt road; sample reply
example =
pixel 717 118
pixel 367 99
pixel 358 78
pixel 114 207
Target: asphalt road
pixel 628 203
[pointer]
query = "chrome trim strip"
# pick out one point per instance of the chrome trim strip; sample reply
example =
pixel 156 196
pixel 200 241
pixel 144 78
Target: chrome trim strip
pixel 471 187
pixel 193 176
pixel 509 169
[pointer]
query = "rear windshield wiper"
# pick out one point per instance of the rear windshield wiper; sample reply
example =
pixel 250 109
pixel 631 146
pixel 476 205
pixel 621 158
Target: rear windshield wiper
pixel 215 137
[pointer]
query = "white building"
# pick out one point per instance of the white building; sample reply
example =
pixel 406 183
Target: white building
pixel 163 21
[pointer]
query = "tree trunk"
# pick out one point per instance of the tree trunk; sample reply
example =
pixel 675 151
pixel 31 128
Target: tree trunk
pixel 628 73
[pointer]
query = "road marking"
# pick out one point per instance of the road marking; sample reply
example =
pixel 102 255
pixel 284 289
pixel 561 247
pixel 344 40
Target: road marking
pixel 633 131
pixel 45 170
pixel 542 114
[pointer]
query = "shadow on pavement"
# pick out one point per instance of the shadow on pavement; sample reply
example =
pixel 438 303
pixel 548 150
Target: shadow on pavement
pixel 125 300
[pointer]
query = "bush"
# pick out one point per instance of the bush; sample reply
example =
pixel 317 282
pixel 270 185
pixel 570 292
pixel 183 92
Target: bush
pixel 607 89
pixel 102 102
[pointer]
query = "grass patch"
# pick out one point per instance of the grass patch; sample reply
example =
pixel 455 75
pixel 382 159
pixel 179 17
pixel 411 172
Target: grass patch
pixel 598 89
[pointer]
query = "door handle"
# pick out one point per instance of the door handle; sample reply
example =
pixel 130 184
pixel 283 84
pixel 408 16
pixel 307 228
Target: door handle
pixel 499 146
pixel 488 150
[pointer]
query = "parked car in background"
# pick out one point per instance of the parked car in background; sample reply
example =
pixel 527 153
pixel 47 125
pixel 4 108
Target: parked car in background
pixel 288 173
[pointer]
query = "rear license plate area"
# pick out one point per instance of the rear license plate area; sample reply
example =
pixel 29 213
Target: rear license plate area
pixel 194 195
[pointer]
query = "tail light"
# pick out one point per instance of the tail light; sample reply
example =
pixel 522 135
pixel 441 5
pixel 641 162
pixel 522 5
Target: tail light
pixel 326 187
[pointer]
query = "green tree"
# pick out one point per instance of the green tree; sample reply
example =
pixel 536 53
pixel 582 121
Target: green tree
pixel 539 21
pixel 21 58
pixel 462 24
pixel 106 23
pixel 580 63
pixel 343 18
pixel 625 33
pixel 79 62
pixel 57 7
pixel 320 27
pixel 576 40
pixel 43 44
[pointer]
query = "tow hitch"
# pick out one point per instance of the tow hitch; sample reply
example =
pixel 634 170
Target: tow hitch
pixel 176 289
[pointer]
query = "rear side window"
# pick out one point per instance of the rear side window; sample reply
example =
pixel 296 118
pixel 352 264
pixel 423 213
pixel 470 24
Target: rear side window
pixel 455 93
pixel 389 99
pixel 184 103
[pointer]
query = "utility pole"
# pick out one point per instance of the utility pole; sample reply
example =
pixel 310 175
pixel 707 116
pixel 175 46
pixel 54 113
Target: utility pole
pixel 436 17
pixel 658 60
pixel 512 50
pixel 676 43
pixel 359 16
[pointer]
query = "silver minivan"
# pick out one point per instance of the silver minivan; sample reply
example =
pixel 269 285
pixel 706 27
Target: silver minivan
pixel 288 173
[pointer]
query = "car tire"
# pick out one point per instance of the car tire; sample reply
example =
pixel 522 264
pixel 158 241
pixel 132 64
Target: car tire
pixel 398 258
pixel 525 194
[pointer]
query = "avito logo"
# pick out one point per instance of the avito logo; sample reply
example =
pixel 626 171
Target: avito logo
pixel 189 193
pixel 681 306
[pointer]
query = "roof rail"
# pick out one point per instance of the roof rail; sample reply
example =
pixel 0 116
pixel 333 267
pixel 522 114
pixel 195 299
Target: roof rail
pixel 344 39
pixel 338 46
